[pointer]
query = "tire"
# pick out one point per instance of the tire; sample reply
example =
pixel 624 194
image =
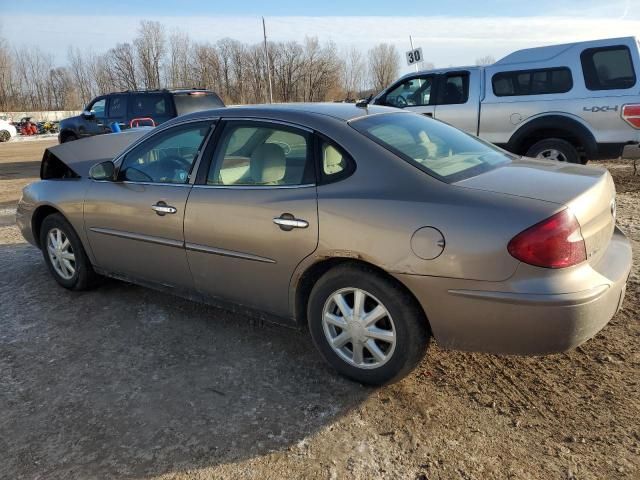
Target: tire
pixel 5 136
pixel 554 149
pixel 83 276
pixel 405 319
pixel 68 137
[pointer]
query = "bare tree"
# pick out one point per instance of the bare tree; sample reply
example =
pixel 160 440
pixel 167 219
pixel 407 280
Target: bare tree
pixel 486 60
pixel 150 48
pixel 353 73
pixel 122 63
pixel 384 65
pixel 178 66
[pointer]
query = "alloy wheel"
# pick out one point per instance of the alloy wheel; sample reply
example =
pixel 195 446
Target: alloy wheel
pixel 552 154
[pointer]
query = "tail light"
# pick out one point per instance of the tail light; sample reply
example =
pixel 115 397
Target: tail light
pixel 631 115
pixel 553 243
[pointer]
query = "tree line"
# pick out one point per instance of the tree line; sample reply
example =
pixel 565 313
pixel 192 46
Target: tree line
pixel 307 71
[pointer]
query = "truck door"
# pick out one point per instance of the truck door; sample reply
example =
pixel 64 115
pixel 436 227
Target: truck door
pixel 413 93
pixel 458 99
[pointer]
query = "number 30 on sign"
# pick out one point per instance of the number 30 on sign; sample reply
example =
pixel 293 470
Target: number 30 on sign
pixel 414 56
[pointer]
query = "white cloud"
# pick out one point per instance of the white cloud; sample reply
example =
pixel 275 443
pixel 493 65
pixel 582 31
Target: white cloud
pixel 445 40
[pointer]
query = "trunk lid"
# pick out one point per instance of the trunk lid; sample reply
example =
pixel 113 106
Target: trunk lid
pixel 588 191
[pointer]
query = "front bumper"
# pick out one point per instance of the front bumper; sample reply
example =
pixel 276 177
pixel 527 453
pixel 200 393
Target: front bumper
pixel 501 317
pixel 24 214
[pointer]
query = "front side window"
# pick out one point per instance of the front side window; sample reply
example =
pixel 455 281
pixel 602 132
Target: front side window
pixel 412 92
pixel 98 108
pixel 262 155
pixel 456 89
pixel 167 157
pixel 608 68
pixel 532 82
pixel 438 149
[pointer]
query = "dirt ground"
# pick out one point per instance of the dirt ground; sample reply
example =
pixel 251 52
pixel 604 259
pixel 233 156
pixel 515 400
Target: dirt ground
pixel 124 382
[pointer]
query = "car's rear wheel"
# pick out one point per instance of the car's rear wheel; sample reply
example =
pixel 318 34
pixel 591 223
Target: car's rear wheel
pixel 64 254
pixel 68 137
pixel 365 325
pixel 5 136
pixel 554 149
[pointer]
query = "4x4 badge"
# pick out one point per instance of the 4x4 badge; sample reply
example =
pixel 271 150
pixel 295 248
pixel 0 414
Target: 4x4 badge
pixel 605 108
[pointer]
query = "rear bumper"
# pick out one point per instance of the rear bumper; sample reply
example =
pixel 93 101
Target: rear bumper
pixel 497 319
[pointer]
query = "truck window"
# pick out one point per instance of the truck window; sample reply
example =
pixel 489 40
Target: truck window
pixel 412 92
pixel 456 89
pixel 145 105
pixel 196 101
pixel 117 106
pixel 608 68
pixel 532 82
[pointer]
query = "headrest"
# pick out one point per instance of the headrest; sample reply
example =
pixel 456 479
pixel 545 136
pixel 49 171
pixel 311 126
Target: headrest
pixel 268 164
pixel 332 160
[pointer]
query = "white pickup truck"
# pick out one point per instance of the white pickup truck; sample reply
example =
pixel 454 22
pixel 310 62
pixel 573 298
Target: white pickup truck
pixel 572 102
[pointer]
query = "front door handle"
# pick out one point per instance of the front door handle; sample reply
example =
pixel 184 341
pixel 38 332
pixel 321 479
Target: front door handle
pixel 161 208
pixel 288 222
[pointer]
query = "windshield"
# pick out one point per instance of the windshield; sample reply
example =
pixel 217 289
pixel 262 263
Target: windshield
pixel 434 147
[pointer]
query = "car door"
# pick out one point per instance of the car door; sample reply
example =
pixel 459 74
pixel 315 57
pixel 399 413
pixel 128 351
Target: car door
pixel 415 93
pixel 458 99
pixel 252 216
pixel 134 224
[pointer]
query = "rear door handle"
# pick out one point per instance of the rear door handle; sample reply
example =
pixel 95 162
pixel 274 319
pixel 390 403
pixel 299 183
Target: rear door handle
pixel 288 222
pixel 161 208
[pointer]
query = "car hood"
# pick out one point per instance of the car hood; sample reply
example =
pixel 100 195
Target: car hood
pixel 80 155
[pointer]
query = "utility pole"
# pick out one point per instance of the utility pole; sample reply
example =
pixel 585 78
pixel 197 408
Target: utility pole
pixel 266 58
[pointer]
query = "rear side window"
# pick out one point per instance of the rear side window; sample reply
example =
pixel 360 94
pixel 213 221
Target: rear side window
pixel 149 104
pixel 456 89
pixel 532 82
pixel 262 155
pixel 608 68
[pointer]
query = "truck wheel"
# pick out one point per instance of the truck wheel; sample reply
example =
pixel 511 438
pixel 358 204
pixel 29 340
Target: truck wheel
pixel 68 137
pixel 554 149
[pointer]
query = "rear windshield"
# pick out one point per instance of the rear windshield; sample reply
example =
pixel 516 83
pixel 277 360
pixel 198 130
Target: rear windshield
pixel 434 147
pixel 196 101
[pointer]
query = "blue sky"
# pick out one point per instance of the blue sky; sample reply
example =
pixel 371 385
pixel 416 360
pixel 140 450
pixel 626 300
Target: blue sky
pixel 450 32
pixel 469 8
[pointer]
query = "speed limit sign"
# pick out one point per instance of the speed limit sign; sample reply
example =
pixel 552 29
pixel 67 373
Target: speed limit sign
pixel 414 56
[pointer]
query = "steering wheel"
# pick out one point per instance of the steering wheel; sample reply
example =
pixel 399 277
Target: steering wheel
pixel 178 164
pixel 401 102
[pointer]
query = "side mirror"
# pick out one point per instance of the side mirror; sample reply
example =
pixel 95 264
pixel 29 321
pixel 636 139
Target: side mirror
pixel 87 115
pixel 103 171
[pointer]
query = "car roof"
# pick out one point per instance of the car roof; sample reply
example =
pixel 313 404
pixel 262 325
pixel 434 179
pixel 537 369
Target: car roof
pixel 340 111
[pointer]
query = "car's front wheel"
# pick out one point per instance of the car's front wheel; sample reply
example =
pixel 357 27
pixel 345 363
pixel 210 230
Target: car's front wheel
pixel 64 254
pixel 5 136
pixel 365 325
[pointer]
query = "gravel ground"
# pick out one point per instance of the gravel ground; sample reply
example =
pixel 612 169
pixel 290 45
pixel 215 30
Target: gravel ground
pixel 124 382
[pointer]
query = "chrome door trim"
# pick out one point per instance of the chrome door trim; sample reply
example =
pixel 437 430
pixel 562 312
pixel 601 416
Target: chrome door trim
pixel 139 236
pixel 227 253
pixel 255 187
pixel 266 120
